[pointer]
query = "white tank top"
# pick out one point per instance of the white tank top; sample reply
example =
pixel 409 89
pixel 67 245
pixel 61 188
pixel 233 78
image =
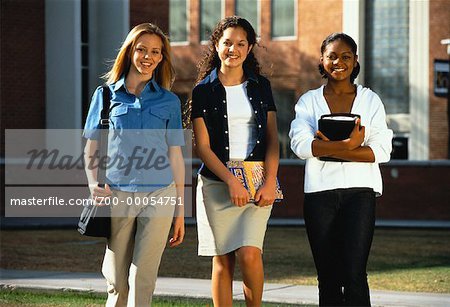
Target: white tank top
pixel 241 122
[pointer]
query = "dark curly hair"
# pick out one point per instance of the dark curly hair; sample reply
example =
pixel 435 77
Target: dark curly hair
pixel 350 42
pixel 211 59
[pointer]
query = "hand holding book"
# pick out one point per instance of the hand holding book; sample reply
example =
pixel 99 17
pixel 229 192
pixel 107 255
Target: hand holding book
pixel 341 127
pixel 266 194
pixel 251 175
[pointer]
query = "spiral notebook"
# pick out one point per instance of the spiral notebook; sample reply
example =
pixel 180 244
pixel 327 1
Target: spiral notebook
pixel 251 175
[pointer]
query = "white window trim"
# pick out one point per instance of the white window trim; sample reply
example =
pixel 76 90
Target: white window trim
pixel 419 27
pixel 355 27
pixel 290 37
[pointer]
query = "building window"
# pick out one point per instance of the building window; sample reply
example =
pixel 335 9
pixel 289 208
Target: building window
pixel 249 9
pixel 285 102
pixel 387 52
pixel 178 22
pixel 211 14
pixel 283 18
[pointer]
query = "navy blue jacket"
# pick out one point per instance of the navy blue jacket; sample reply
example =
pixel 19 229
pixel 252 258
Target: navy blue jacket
pixel 209 102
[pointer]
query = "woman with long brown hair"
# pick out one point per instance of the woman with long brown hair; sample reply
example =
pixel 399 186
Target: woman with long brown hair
pixel 234 118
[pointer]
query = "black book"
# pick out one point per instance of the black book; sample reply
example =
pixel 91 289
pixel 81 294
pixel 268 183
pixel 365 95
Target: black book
pixel 337 127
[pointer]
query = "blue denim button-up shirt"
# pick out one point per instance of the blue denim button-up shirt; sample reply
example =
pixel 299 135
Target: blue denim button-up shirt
pixel 209 102
pixel 141 131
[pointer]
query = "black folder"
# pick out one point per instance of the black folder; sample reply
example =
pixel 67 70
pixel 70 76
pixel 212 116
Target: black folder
pixel 337 127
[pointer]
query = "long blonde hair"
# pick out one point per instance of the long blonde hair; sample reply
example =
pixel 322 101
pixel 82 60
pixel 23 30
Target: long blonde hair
pixel 164 74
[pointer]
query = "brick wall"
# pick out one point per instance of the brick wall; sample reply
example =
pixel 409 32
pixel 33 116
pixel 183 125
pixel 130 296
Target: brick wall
pixel 290 64
pixel 439 29
pixel 23 64
pixel 155 11
pixel 411 191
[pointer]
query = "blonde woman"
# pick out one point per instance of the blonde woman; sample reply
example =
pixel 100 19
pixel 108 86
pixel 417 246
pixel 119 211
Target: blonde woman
pixel 145 180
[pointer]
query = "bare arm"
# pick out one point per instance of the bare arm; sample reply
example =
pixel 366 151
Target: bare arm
pixel 359 154
pixel 266 194
pixel 178 171
pixel 349 149
pixel 91 162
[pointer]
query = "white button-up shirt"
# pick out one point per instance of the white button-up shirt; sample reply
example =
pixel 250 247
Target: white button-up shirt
pixel 326 175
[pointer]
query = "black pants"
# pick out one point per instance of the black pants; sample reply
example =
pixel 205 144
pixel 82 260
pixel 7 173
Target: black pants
pixel 340 225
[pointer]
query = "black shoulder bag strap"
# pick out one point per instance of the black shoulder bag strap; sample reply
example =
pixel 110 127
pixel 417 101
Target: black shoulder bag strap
pixel 103 141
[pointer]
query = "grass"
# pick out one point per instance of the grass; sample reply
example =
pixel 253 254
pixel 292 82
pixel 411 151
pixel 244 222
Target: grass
pixel 400 260
pixel 23 297
pixel 18 297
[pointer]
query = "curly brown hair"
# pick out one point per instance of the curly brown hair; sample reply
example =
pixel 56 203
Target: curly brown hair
pixel 211 59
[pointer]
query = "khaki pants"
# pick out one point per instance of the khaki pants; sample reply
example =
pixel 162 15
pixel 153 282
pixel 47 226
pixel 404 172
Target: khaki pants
pixel 138 236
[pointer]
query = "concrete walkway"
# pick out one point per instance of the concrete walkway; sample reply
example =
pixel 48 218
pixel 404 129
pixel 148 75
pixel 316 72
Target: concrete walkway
pixel 200 288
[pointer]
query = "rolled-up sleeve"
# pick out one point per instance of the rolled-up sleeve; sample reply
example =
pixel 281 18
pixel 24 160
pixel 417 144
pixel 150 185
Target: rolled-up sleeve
pixel 380 138
pixel 302 129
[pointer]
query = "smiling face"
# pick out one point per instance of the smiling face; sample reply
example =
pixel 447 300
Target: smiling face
pixel 338 60
pixel 146 56
pixel 233 47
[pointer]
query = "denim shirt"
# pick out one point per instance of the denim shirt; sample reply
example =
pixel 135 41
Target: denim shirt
pixel 210 103
pixel 141 130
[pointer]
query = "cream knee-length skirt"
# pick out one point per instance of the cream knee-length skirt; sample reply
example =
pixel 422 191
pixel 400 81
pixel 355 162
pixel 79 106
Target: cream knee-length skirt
pixel 224 227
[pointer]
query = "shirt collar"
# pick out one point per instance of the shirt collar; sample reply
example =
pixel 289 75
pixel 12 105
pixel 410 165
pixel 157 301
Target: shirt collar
pixel 214 76
pixel 119 83
pixel 152 84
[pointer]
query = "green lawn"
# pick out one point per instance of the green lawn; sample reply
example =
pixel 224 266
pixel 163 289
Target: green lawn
pixel 30 298
pixel 401 259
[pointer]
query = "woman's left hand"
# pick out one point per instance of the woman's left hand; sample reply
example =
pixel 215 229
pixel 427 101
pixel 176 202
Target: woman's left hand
pixel 265 196
pixel 178 231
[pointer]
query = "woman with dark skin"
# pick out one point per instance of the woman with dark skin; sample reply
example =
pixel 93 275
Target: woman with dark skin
pixel 339 206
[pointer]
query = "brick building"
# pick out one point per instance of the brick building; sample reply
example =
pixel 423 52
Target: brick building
pixel 53 53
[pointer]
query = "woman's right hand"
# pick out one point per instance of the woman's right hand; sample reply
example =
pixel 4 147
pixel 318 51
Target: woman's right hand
pixel 357 136
pixel 100 194
pixel 238 194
